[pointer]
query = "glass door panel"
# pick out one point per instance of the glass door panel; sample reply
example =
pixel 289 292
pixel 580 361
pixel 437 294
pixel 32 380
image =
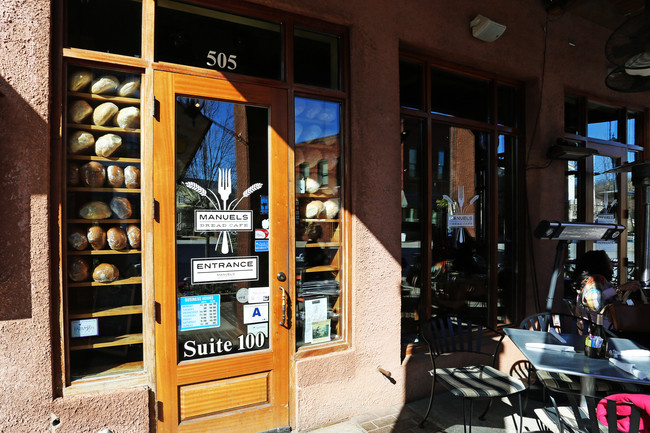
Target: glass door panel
pixel 606 202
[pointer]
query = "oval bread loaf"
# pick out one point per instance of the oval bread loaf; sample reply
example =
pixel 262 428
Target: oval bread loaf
pixel 80 142
pixel 106 273
pixel 314 208
pixel 93 174
pixel 129 87
pixel 104 84
pixel 132 177
pixel 133 233
pixel 311 185
pixel 115 176
pixel 121 207
pixel 95 210
pixel 128 117
pixel 77 239
pixel 97 237
pixel 79 111
pixel 116 237
pixel 107 144
pixel 331 208
pixel 104 113
pixel 78 269
pixel 79 79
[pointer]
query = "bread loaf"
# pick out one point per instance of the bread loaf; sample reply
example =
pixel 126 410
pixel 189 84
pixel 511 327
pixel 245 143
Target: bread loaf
pixel 97 237
pixel 311 186
pixel 314 208
pixel 332 208
pixel 107 144
pixel 79 111
pixel 79 79
pixel 73 174
pixel 104 113
pixel 95 210
pixel 132 177
pixel 129 87
pixel 115 176
pixel 128 117
pixel 93 174
pixel 133 233
pixel 116 237
pixel 77 239
pixel 78 269
pixel 104 85
pixel 80 142
pixel 121 207
pixel 106 273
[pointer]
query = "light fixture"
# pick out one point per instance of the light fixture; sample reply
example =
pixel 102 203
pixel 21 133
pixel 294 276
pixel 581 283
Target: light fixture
pixel 578 231
pixel 565 149
pixel 485 29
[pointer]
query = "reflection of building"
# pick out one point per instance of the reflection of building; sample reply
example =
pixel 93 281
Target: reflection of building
pixel 367 70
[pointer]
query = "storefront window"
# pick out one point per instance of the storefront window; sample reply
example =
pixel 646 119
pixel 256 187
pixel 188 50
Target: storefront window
pixel 603 122
pixel 573 118
pixel 319 217
pixel 411 84
pixel 103 222
pixel 316 59
pixel 460 96
pixel 606 201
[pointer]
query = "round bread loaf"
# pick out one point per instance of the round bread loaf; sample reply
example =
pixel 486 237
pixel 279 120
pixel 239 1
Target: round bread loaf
pixel 311 186
pixel 106 273
pixel 116 237
pixel 132 177
pixel 79 111
pixel 97 237
pixel 78 269
pixel 73 174
pixel 314 208
pixel 115 176
pixel 93 174
pixel 104 113
pixel 107 144
pixel 77 239
pixel 128 117
pixel 79 79
pixel 95 210
pixel 80 142
pixel 104 84
pixel 331 208
pixel 121 207
pixel 129 87
pixel 133 233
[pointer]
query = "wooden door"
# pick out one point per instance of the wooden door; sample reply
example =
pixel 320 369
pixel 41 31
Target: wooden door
pixel 220 253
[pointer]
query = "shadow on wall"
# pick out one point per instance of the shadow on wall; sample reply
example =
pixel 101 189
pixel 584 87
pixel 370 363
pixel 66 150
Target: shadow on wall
pixel 24 180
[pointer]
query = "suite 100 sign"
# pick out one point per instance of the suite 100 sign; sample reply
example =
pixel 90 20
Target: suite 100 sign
pixel 222 60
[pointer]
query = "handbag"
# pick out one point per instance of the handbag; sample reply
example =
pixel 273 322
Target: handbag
pixel 630 318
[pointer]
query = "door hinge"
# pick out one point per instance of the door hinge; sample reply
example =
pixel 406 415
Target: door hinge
pixel 156 210
pixel 156 109
pixel 159 411
pixel 156 310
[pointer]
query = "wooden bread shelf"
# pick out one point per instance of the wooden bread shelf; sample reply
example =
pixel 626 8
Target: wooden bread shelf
pixel 120 282
pixel 101 252
pixel 322 244
pixel 97 128
pixel 106 370
pixel 107 312
pixel 319 220
pixel 316 195
pixel 104 189
pixel 104 221
pixel 98 342
pixel 101 158
pixel 104 98
pixel 323 269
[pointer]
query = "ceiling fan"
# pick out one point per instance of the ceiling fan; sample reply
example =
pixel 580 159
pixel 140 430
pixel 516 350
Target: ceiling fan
pixel 628 48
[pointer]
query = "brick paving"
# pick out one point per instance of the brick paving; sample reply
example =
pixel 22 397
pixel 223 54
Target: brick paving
pixel 394 419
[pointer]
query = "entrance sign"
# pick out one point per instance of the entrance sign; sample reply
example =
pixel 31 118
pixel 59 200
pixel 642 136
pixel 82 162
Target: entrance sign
pixel 214 220
pixel 199 312
pixel 224 269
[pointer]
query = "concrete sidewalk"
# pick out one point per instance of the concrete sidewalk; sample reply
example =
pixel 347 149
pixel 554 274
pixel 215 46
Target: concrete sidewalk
pixel 446 416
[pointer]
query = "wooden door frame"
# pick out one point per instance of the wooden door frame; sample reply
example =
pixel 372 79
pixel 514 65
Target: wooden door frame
pixel 167 368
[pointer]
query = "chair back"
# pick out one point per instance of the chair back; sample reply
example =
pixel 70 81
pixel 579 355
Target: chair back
pixel 450 334
pixel 561 322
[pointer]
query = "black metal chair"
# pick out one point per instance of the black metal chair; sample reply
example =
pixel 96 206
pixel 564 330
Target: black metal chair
pixel 577 413
pixel 447 335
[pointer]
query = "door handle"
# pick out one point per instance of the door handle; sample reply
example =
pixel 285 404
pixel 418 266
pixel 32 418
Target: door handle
pixel 285 296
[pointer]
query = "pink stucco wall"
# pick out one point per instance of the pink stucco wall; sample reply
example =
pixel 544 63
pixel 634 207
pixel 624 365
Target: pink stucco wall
pixel 331 387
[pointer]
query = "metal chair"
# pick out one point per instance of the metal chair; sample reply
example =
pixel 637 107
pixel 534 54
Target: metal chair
pixel 447 335
pixel 577 413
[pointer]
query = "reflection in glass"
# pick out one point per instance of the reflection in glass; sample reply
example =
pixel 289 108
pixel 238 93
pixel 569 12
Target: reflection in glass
pixel 318 196
pixel 573 204
pixel 460 96
pixel 606 201
pixel 411 84
pixel 603 122
pixel 413 220
pixel 221 165
pixel 631 221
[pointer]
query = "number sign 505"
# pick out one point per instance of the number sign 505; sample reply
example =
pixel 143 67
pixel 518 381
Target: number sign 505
pixel 222 60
